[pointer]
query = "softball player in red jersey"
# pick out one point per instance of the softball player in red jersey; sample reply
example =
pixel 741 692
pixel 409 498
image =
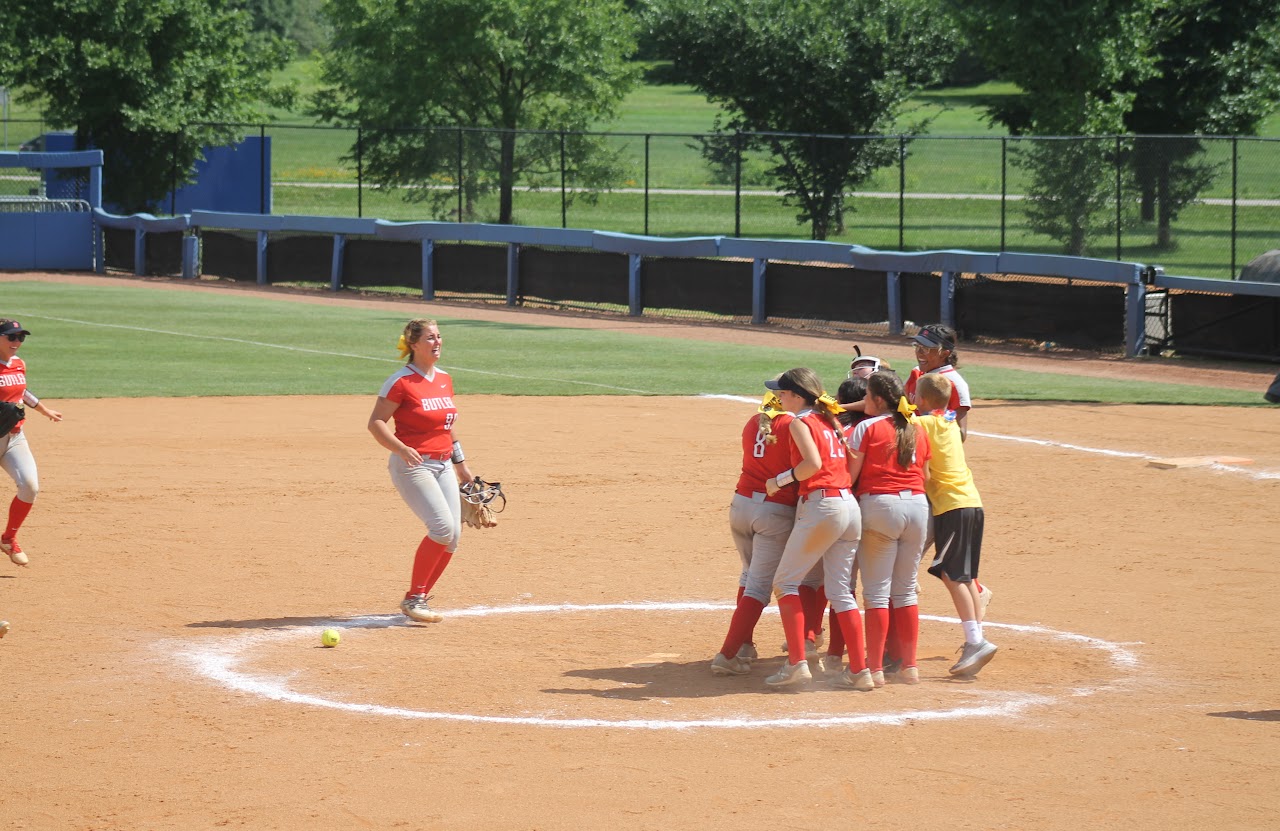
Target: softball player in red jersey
pixel 760 524
pixel 936 352
pixel 426 460
pixel 828 524
pixel 15 455
pixel 888 454
pixel 935 346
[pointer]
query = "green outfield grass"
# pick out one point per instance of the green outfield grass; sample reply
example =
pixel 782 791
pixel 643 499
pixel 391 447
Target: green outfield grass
pixel 132 341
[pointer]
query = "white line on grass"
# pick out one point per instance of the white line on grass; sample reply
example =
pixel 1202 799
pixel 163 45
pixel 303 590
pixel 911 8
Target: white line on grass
pixel 325 352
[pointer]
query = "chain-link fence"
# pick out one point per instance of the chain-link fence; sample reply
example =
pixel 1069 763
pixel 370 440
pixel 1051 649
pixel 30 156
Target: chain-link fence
pixel 1195 205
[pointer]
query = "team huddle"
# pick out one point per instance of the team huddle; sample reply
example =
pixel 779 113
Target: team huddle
pixel 857 485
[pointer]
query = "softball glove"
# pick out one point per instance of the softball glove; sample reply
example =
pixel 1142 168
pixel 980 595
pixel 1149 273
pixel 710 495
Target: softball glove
pixel 10 415
pixel 479 502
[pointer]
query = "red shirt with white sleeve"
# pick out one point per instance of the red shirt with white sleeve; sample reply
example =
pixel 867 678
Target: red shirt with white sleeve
pixel 13 385
pixel 834 472
pixel 959 387
pixel 876 439
pixel 426 414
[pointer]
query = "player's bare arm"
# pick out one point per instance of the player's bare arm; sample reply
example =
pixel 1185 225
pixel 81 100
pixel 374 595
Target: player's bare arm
pixel 385 436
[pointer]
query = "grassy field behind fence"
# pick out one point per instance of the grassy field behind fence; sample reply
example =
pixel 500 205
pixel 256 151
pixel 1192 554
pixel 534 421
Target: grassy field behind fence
pixel 136 341
pixel 961 158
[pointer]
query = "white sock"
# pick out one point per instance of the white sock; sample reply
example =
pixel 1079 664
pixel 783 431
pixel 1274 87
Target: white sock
pixel 972 631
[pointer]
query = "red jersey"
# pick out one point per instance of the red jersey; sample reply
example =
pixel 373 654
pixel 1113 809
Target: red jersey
pixel 834 472
pixel 876 438
pixel 425 415
pixel 959 387
pixel 762 460
pixel 13 383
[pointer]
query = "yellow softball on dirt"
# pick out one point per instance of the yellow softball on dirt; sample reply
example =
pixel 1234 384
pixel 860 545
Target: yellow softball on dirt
pixel 330 637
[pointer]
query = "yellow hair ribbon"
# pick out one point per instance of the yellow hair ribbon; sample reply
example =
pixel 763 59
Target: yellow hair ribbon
pixel 771 406
pixel 403 346
pixel 907 409
pixel 829 404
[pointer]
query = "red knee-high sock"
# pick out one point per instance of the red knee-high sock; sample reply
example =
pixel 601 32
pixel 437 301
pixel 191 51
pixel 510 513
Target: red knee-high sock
pixel 441 565
pixel 791 611
pixel 18 511
pixel 835 639
pixel 850 629
pixel 742 625
pixel 877 629
pixel 821 604
pixel 741 591
pixel 425 562
pixel 907 625
pixel 892 649
pixel 812 612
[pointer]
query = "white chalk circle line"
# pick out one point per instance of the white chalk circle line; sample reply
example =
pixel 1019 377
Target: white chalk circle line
pixel 220 663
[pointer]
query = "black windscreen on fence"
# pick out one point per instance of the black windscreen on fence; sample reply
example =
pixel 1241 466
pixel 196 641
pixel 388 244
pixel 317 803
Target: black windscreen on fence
pixel 1083 316
pixel 1223 324
pixel 471 269
pixel 717 287
pixel 372 262
pixel 118 248
pixel 579 277
pixel 230 255
pixel 299 258
pixel 834 293
pixel 921 301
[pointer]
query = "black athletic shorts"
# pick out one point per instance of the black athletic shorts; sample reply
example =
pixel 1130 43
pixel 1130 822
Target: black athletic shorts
pixel 957 541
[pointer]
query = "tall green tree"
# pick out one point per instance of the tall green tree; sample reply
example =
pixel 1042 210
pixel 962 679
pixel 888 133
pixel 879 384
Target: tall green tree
pixel 148 82
pixel 1217 72
pixel 1075 62
pixel 439 84
pixel 829 69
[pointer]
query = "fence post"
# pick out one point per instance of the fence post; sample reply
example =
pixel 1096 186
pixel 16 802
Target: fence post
pixel 513 272
pixel 894 289
pixel 262 258
pixel 633 285
pixel 564 193
pixel 947 299
pixel 902 192
pixel 1135 318
pixel 190 256
pixel 139 251
pixel 335 266
pixel 428 269
pixel 758 269
pixel 646 184
pixel 360 172
pixel 262 169
pixel 737 184
pixel 1235 165
pixel 1119 202
pixel 1004 185
pixel 459 174
pixel 173 175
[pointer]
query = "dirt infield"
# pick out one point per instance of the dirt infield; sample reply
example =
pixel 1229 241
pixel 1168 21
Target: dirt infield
pixel 165 671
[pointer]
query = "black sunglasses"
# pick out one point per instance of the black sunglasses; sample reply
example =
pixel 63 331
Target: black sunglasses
pixel 16 338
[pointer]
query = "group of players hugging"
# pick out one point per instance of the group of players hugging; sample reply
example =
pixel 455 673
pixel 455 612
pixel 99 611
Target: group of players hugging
pixel 859 485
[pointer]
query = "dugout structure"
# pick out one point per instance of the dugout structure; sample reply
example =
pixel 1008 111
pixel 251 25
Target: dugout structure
pixel 46 204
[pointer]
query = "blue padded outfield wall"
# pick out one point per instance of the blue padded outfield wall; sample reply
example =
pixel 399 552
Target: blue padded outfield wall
pixel 235 178
pixel 37 233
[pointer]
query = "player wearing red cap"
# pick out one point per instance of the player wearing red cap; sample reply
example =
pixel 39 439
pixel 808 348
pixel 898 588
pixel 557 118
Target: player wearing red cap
pixel 15 454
